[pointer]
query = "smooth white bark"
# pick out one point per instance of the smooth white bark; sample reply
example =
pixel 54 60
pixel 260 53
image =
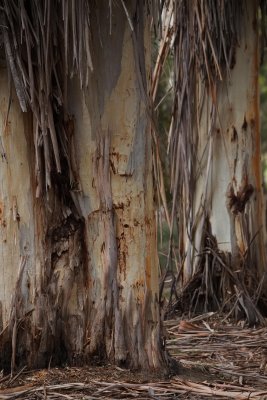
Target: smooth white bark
pixel 227 141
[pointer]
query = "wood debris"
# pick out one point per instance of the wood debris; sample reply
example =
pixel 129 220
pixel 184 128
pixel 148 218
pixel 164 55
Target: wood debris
pixel 125 390
pixel 227 350
pixel 218 361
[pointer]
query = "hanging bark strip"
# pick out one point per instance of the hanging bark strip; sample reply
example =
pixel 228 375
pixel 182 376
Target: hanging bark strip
pixel 214 148
pixel 41 40
pixel 83 212
pixel 119 215
pixel 108 318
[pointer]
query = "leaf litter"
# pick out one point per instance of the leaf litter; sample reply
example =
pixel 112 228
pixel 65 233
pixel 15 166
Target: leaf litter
pixel 218 359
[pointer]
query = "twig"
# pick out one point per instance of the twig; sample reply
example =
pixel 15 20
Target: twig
pixel 17 375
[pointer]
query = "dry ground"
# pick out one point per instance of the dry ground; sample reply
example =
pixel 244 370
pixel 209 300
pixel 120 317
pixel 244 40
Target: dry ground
pixel 218 360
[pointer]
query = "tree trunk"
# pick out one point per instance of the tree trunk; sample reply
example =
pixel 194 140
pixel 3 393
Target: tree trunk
pixel 221 216
pixel 82 257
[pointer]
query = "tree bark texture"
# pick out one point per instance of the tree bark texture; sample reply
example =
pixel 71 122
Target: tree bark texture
pixel 79 278
pixel 226 215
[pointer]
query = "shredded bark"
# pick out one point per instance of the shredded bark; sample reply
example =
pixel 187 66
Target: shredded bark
pixel 46 44
pixel 218 360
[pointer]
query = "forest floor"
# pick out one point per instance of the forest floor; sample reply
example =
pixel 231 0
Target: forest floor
pixel 217 360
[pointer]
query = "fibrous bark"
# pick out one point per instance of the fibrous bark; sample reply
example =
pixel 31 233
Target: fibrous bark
pixel 216 142
pixel 87 286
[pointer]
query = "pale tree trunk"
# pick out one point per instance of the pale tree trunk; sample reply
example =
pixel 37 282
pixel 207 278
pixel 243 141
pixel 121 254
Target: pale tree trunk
pixel 82 260
pixel 221 216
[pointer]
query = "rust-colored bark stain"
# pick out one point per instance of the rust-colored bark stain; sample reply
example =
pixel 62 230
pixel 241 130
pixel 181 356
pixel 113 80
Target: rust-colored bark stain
pixel 123 254
pixel 118 163
pixel 138 289
pixel 6 129
pixel 138 284
pixel 122 205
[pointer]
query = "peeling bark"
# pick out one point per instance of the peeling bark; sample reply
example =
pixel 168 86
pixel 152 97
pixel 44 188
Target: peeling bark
pixel 87 286
pixel 117 204
pixel 226 188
